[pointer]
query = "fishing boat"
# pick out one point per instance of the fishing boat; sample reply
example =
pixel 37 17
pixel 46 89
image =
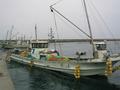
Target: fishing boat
pixel 42 57
pixel 13 45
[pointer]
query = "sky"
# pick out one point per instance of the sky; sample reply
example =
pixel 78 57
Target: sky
pixel 104 17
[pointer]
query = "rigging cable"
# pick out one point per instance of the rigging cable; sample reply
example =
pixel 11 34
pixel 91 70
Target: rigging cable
pixel 56 2
pixel 101 17
pixel 70 25
pixel 57 32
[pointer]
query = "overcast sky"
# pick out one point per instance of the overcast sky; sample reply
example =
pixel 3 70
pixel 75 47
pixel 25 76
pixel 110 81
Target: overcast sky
pixel 24 14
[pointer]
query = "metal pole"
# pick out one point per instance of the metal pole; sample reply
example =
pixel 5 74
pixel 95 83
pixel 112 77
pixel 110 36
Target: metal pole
pixel 36 32
pixel 89 26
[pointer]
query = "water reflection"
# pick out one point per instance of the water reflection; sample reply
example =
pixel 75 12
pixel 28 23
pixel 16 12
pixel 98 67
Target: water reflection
pixel 25 78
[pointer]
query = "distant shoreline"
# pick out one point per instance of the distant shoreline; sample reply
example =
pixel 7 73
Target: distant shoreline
pixel 82 40
pixel 67 40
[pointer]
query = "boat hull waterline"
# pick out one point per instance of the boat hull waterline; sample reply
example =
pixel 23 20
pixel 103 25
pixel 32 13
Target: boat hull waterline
pixel 86 67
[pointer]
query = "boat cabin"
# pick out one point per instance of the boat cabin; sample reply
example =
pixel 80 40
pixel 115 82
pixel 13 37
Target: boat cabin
pixel 101 49
pixel 100 46
pixel 39 44
pixel 37 47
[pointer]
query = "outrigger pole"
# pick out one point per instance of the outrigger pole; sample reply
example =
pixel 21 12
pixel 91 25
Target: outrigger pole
pixel 53 9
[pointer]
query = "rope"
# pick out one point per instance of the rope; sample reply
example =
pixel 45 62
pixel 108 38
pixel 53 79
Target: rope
pixel 31 63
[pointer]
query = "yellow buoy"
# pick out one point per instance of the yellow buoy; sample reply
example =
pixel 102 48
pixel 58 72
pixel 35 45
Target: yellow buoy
pixel 77 71
pixel 108 69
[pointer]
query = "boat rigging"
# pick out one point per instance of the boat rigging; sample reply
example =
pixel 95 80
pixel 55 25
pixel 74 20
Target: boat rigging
pixel 88 21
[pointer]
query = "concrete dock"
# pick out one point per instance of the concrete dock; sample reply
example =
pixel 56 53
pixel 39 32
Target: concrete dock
pixel 5 80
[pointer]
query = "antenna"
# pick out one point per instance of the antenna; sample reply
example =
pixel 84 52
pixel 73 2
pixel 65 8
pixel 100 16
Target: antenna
pixel 51 34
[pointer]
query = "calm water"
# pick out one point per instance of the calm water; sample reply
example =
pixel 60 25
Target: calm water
pixel 26 78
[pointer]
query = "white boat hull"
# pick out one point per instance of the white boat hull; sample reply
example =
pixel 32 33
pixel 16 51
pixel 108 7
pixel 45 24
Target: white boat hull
pixel 86 67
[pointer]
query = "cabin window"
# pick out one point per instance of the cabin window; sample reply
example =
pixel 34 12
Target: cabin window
pixel 101 46
pixel 33 45
pixel 39 45
pixel 44 45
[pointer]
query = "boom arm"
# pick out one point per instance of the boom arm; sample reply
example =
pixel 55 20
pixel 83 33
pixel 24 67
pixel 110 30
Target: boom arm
pixel 53 9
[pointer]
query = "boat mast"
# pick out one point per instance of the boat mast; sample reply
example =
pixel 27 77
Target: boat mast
pixel 11 32
pixel 36 32
pixel 7 35
pixel 89 26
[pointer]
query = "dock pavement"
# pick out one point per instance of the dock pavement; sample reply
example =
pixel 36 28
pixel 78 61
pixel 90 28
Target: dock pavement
pixel 5 79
